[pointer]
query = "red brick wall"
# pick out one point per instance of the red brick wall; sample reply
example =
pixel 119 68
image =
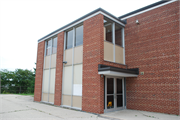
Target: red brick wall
pixel 153 47
pixel 59 69
pixel 39 71
pixel 93 54
pixel 93 84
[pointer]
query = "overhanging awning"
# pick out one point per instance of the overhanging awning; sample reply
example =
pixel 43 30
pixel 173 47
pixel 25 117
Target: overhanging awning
pixel 119 72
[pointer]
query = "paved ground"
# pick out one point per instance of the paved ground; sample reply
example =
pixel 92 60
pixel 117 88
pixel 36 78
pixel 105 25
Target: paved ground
pixel 17 107
pixel 140 115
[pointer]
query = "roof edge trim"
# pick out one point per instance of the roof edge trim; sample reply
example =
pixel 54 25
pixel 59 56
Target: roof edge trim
pixel 146 8
pixel 83 18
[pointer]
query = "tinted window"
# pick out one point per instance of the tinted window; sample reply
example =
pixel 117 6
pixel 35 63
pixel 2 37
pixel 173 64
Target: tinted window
pixel 118 35
pixel 69 39
pixel 79 36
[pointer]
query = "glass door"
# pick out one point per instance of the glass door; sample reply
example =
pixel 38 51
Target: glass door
pixel 110 93
pixel 114 94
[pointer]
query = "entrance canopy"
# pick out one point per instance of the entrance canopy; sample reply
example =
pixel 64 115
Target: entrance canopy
pixel 119 72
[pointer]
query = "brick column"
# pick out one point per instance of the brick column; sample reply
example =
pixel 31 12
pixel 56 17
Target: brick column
pixel 59 69
pixel 93 84
pixel 39 72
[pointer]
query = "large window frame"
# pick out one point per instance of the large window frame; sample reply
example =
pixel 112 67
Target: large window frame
pixel 113 25
pixel 50 44
pixel 73 41
pixel 74 45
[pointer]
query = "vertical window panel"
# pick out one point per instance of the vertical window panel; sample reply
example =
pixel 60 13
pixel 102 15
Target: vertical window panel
pixel 53 61
pixel 46 81
pixel 48 47
pixel 119 54
pixel 45 97
pixel 51 98
pixel 69 39
pixel 66 100
pixel 52 81
pixel 78 54
pixel 68 56
pixel 108 51
pixel 79 36
pixel 77 101
pixel 78 74
pixel 67 81
pixel 77 89
pixel 118 35
pixel 109 33
pixel 47 61
pixel 54 45
pixel 108 30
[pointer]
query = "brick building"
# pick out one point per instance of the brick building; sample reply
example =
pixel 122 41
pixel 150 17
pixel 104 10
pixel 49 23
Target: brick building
pixel 101 63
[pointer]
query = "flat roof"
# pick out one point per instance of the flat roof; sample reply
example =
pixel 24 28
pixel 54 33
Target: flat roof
pixel 81 18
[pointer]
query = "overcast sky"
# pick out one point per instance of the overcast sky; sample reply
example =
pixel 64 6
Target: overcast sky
pixel 23 22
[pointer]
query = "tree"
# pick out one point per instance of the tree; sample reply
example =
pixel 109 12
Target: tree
pixel 22 81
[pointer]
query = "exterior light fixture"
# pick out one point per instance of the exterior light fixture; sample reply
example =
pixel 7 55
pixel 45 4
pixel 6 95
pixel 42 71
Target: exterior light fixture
pixel 65 62
pixel 137 21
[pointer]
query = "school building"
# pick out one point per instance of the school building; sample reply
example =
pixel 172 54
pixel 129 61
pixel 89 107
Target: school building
pixel 100 62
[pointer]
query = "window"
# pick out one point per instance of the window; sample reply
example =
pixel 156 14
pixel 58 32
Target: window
pixel 48 47
pixel 79 36
pixel 69 39
pixel 108 31
pixel 113 42
pixel 52 42
pixel 118 35
pixel 54 46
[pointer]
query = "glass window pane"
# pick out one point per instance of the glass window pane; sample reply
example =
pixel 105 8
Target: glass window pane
pixel 119 101
pixel 48 47
pixel 79 36
pixel 69 39
pixel 110 85
pixel 119 86
pixel 54 46
pixel 118 35
pixel 108 32
pixel 110 102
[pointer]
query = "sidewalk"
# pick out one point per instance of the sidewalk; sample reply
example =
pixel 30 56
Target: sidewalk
pixel 139 115
pixel 18 107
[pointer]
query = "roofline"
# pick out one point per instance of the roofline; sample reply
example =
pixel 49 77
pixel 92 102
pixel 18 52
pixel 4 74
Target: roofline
pixel 100 10
pixel 146 8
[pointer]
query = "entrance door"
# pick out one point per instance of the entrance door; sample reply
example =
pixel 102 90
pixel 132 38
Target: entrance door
pixel 114 94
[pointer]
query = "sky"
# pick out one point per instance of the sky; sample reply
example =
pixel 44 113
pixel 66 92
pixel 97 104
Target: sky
pixel 23 22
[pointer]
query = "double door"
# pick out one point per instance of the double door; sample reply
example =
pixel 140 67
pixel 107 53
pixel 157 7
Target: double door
pixel 114 94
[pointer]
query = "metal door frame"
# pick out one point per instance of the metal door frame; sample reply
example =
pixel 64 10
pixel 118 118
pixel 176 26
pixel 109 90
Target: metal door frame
pixel 114 94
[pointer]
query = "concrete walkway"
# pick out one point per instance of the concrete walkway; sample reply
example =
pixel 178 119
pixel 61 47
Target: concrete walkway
pixel 17 107
pixel 140 115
